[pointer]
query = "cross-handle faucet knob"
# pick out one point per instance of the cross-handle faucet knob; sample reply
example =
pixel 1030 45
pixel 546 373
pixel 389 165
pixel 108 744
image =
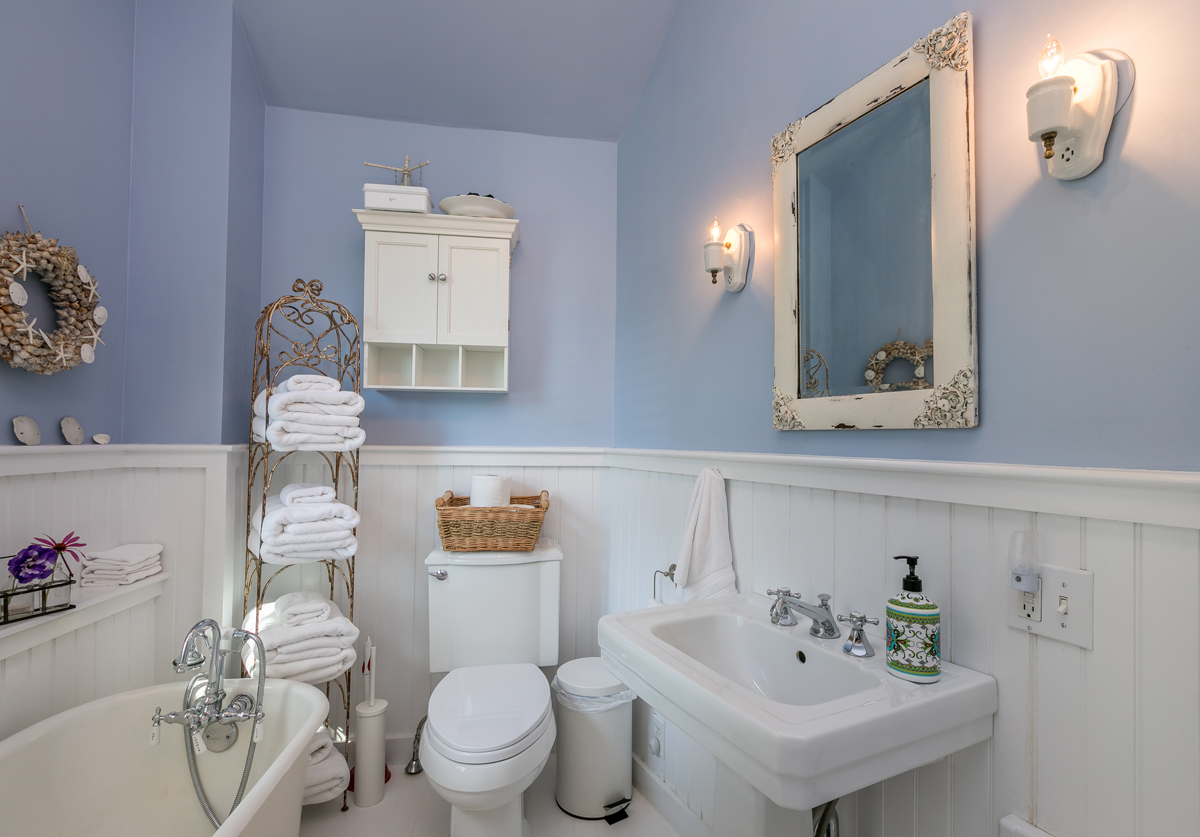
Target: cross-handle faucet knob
pixel 782 591
pixel 857 644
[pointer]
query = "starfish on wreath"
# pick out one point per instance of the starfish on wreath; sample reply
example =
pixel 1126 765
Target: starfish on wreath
pixel 60 352
pixel 93 335
pixel 28 328
pixel 89 283
pixel 23 267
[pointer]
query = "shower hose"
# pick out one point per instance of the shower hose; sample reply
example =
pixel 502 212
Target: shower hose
pixel 260 659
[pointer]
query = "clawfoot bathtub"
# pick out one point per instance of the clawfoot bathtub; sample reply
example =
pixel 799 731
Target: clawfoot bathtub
pixel 91 770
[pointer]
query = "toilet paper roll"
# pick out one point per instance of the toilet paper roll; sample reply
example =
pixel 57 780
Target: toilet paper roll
pixel 488 490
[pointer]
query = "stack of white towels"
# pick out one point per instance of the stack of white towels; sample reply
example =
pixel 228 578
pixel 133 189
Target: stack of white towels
pixel 309 412
pixel 305 636
pixel 327 774
pixel 120 565
pixel 301 523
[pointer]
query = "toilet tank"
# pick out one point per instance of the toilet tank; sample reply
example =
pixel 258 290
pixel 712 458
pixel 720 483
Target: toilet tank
pixel 493 607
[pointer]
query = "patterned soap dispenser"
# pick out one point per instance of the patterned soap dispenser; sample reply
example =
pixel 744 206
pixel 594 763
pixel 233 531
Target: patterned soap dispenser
pixel 914 631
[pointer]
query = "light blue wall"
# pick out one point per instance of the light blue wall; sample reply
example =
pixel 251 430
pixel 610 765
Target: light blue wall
pixel 195 224
pixel 1088 291
pixel 67 67
pixel 178 221
pixel 563 271
pixel 243 257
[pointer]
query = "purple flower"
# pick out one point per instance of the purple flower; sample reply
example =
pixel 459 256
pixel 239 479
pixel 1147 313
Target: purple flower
pixel 33 563
pixel 69 545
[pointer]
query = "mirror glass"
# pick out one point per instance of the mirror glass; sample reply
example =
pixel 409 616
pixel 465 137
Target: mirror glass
pixel 864 237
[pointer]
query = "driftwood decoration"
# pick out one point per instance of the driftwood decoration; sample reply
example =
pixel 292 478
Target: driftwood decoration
pixel 42 348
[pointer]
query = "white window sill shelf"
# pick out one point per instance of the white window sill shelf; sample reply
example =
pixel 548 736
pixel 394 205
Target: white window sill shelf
pixel 91 605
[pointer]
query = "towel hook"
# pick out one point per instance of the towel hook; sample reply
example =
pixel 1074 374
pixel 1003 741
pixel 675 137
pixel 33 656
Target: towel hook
pixel 667 573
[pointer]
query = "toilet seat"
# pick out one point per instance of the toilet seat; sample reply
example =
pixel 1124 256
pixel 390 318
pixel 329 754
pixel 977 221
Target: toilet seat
pixel 486 714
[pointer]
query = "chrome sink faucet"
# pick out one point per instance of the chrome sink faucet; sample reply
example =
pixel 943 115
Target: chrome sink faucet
pixel 786 606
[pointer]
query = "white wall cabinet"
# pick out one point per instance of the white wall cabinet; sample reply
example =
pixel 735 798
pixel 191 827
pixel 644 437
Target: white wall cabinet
pixel 435 303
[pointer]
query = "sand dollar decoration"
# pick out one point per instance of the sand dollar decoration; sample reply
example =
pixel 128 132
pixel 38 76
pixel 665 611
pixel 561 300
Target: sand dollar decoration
pixel 26 344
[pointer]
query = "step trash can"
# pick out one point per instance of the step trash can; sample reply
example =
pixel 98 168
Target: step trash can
pixel 594 714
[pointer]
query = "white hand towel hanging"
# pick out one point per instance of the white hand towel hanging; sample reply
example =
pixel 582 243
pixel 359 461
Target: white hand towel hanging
pixel 705 566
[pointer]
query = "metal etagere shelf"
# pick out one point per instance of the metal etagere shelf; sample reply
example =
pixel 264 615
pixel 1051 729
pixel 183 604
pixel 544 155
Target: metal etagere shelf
pixel 303 331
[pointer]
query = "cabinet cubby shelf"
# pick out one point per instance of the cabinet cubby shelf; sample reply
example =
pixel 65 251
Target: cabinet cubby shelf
pixel 436 367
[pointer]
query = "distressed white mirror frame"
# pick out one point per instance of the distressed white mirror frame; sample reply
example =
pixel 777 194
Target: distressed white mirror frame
pixel 945 58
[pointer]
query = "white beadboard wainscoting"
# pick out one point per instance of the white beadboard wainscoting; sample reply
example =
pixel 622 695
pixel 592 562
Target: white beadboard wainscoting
pixel 1103 742
pixel 1096 743
pixel 174 495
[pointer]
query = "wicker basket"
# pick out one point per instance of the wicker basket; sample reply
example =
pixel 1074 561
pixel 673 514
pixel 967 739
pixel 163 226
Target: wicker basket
pixel 464 528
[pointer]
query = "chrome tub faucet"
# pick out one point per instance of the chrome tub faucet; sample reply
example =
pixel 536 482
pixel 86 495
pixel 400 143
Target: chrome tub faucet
pixel 787 605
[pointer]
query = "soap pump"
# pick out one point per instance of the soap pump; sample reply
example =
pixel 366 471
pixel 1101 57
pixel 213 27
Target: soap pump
pixel 914 630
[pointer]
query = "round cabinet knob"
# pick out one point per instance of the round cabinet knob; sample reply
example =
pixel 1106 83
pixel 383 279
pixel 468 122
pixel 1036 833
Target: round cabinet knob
pixel 653 746
pixel 432 278
pixel 441 277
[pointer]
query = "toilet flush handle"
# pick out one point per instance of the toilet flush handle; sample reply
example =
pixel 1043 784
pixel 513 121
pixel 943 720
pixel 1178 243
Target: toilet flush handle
pixel 439 574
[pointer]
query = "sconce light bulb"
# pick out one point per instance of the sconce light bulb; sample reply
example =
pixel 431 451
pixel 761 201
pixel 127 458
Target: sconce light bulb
pixel 715 230
pixel 1051 60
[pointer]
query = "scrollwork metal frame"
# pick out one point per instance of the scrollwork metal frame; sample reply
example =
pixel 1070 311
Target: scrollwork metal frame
pixel 303 330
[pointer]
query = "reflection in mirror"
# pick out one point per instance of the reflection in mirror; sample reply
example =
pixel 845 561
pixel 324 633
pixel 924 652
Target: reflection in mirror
pixel 863 207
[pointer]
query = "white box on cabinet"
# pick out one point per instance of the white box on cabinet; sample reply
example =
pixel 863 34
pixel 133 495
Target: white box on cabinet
pixel 396 198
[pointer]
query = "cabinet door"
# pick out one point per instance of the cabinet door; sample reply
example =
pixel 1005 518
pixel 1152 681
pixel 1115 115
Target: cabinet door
pixel 473 300
pixel 401 300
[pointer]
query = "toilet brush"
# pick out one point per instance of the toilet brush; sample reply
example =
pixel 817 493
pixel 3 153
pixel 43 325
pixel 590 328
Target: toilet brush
pixel 369 756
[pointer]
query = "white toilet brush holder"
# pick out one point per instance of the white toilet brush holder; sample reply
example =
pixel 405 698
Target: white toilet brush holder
pixel 369 743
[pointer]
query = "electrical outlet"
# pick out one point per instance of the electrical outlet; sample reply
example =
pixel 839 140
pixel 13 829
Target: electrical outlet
pixel 656 743
pixel 1029 604
pixel 1068 612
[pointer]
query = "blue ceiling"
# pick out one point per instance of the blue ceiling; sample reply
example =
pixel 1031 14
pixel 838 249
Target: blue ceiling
pixel 568 68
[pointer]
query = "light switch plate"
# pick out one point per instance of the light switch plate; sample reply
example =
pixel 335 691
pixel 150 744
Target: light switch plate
pixel 1061 587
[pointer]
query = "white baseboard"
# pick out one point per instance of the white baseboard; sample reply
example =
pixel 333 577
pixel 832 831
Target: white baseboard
pixel 666 802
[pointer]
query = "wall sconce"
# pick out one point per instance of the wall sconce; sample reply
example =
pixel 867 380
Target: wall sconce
pixel 1071 109
pixel 731 256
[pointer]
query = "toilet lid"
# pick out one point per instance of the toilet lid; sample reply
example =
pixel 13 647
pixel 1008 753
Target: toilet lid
pixel 587 677
pixel 481 709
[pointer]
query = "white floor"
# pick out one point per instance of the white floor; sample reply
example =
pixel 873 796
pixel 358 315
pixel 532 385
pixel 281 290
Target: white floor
pixel 411 808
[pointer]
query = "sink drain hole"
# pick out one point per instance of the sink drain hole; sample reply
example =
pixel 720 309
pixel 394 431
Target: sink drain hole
pixel 800 656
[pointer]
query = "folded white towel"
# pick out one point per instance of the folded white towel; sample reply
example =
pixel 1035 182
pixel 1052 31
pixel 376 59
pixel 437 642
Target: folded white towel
pixel 304 493
pixel 326 779
pixel 705 566
pixel 321 652
pixel 314 401
pixel 301 383
pixel 275 634
pixel 303 553
pixel 284 440
pixel 319 747
pixel 280 524
pixel 106 568
pixel 129 553
pixel 302 608
pixel 100 581
pixel 312 670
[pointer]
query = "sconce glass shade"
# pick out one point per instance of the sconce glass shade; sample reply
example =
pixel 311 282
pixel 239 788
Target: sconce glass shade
pixel 1048 106
pixel 1051 59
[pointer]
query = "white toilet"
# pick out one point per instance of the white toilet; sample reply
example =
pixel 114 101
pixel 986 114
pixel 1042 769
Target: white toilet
pixel 493 619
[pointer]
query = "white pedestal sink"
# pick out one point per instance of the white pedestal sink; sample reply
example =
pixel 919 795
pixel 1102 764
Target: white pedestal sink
pixel 791 720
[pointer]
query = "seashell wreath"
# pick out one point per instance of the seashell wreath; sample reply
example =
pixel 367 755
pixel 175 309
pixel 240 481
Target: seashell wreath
pixel 73 294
